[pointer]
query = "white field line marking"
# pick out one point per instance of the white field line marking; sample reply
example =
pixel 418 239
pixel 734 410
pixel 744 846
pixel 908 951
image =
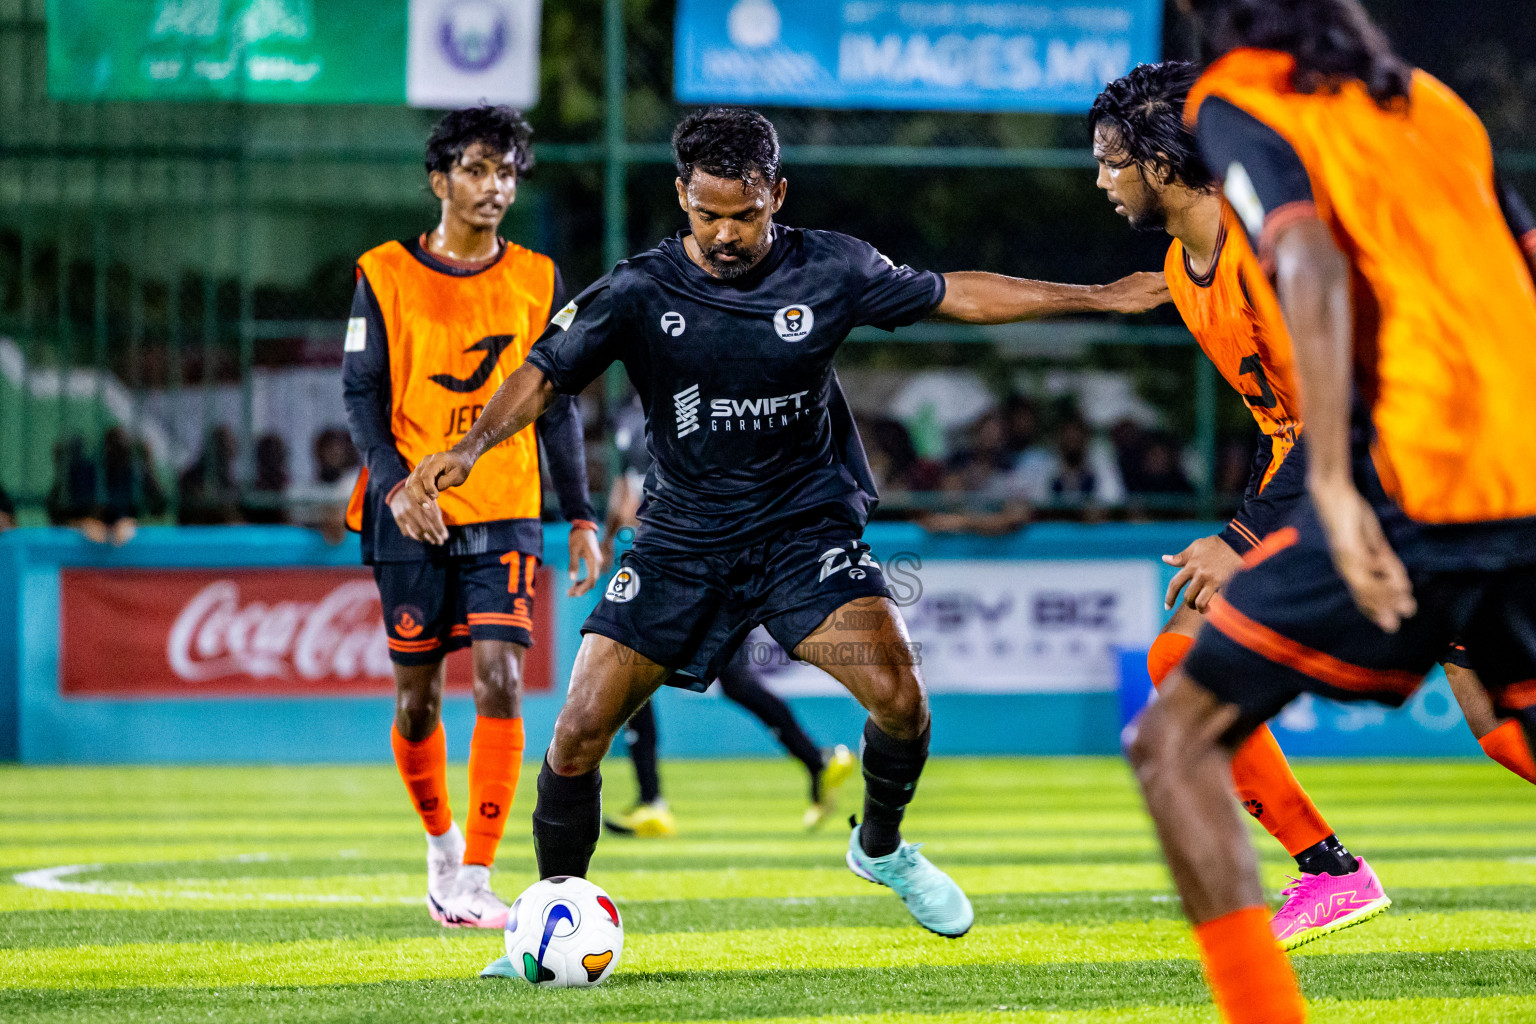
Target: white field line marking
pixel 56 879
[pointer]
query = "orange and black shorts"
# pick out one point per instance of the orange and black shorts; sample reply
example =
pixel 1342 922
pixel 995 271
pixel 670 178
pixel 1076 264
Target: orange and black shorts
pixel 438 604
pixel 1286 625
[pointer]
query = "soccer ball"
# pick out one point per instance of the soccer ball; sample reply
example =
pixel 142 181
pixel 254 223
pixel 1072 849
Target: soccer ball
pixel 564 932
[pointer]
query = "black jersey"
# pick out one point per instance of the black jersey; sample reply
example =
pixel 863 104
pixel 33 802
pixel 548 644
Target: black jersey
pixel 744 416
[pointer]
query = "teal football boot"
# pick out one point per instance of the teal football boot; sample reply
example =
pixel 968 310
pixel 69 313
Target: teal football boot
pixel 929 894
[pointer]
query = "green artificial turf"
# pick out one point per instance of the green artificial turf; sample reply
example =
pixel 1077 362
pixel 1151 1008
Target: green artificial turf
pixel 293 895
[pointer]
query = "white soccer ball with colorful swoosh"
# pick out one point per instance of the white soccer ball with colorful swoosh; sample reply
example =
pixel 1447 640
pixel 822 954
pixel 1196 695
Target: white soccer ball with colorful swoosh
pixel 562 932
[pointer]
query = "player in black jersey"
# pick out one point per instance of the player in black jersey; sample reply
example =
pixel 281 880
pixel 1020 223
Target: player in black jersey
pixel 740 682
pixel 760 490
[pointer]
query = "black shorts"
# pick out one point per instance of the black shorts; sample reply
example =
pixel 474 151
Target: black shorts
pixel 690 612
pixel 1287 625
pixel 444 602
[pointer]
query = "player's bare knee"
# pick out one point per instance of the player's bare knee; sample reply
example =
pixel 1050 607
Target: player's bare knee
pixel 581 739
pixel 899 706
pixel 1155 747
pixel 417 712
pixel 498 681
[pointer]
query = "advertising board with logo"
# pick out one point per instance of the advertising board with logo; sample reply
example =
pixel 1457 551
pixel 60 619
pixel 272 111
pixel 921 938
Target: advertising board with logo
pixel 429 53
pixel 1046 55
pixel 242 632
pixel 1005 627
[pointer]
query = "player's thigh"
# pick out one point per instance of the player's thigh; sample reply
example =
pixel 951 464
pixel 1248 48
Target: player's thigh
pixel 1476 705
pixel 865 646
pixel 1500 642
pixel 609 683
pixel 1182 728
pixel 1288 625
pixel 1185 622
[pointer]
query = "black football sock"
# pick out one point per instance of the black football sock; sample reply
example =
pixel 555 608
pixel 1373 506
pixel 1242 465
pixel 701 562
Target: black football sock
pixel 567 819
pixel 640 735
pixel 739 683
pixel 891 771
pixel 1327 858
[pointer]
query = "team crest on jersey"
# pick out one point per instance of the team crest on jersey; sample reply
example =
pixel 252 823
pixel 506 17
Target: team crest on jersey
pixel 794 323
pixel 624 587
pixel 408 621
pixel 357 335
pixel 563 318
pixel 672 323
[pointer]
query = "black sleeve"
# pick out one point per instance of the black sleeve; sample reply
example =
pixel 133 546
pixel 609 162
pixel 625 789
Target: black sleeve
pixel 1521 221
pixel 366 387
pixel 1261 174
pixel 582 340
pixel 557 297
pixel 890 296
pixel 565 451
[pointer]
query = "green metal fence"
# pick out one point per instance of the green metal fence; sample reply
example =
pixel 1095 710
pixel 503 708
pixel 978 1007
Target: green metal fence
pixel 156 258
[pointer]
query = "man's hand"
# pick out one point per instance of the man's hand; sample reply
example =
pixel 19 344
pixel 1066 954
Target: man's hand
pixel 1135 293
pixel 1205 566
pixel 415 504
pixel 1375 575
pixel 583 545
pixel 420 521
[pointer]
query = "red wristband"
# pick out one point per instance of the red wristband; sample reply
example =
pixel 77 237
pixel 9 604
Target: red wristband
pixel 394 491
pixel 583 524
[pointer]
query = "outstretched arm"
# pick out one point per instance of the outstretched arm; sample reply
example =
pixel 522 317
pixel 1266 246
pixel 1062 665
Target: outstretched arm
pixel 520 400
pixel 974 297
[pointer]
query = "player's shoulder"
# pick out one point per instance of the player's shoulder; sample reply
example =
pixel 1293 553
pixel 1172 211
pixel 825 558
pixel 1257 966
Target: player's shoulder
pixel 854 254
pixel 521 256
pixel 385 258
pixel 1431 98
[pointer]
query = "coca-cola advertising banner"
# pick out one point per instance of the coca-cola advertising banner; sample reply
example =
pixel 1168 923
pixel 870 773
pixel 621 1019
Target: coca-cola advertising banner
pixel 242 632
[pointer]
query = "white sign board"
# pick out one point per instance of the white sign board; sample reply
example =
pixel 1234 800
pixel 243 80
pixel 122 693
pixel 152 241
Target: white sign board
pixel 463 52
pixel 1009 626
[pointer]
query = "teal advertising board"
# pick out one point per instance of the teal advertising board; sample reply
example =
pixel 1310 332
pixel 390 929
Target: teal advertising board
pixel 1024 55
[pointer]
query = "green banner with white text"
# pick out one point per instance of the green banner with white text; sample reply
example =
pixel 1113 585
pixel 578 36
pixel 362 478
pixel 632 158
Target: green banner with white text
pixel 424 52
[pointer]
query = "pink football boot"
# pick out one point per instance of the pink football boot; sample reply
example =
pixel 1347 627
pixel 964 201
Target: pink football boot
pixel 1318 905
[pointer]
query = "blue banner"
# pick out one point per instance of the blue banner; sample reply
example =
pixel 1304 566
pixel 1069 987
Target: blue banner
pixel 1048 56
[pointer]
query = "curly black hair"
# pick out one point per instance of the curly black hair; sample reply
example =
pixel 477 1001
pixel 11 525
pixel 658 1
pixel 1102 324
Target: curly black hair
pixel 1145 112
pixel 1332 41
pixel 727 142
pixel 503 129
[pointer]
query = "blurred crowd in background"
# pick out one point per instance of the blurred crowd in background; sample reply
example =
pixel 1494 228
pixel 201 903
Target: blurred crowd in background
pixel 945 450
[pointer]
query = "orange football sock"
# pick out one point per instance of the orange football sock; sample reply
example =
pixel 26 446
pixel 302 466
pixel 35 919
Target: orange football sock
pixel 1251 980
pixel 1270 792
pixel 1508 746
pixel 424 767
pixel 495 761
pixel 1167 651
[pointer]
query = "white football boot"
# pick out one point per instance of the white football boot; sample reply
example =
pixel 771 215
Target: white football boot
pixel 471 903
pixel 445 854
